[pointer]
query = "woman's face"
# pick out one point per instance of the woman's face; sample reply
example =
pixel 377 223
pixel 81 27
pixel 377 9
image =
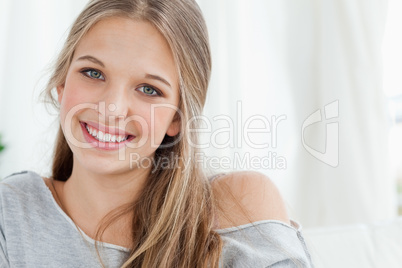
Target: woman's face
pixel 119 97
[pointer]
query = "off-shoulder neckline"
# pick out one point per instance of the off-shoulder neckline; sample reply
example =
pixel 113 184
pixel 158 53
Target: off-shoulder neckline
pixel 293 224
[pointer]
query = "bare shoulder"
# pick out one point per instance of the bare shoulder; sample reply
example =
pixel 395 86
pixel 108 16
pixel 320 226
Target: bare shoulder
pixel 247 196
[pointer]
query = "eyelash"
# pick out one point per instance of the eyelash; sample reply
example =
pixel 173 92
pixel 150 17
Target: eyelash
pixel 86 71
pixel 158 93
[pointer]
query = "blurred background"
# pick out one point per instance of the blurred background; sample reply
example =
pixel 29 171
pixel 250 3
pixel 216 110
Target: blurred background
pixel 308 92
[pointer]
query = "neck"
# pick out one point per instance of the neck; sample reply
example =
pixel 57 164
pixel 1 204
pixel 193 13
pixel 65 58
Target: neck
pixel 88 196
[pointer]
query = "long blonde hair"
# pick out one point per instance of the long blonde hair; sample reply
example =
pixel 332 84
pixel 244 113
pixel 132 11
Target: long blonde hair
pixel 174 215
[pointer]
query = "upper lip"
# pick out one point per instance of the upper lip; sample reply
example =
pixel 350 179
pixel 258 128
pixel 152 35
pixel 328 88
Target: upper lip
pixel 108 129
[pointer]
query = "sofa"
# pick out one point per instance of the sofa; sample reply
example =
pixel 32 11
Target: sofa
pixel 376 245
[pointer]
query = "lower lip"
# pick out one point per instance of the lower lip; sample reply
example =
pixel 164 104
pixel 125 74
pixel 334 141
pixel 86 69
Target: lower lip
pixel 107 146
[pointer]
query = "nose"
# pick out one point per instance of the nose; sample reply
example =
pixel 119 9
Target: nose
pixel 116 102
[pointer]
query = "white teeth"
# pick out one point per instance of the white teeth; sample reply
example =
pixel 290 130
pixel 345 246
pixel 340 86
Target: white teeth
pixel 100 135
pixel 105 137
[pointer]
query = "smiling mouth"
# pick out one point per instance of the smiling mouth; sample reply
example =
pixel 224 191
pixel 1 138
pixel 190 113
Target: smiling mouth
pixel 106 137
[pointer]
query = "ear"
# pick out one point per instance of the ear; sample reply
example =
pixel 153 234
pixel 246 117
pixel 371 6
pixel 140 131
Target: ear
pixel 174 127
pixel 60 90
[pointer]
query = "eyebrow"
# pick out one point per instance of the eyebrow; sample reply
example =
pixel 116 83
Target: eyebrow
pixel 155 77
pixel 148 76
pixel 93 59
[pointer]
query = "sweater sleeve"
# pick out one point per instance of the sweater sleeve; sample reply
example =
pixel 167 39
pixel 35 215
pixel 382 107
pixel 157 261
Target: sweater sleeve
pixel 3 248
pixel 3 254
pixel 265 244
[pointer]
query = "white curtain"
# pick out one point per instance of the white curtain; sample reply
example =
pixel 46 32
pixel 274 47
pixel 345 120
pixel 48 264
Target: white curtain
pixel 275 63
pixel 31 34
pixel 392 54
pixel 301 58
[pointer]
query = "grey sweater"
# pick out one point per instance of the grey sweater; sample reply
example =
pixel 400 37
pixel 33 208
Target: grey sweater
pixel 35 232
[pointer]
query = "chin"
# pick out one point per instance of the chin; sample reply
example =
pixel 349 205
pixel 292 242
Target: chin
pixel 104 167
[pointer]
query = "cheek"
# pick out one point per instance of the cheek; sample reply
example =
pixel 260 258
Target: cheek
pixel 151 128
pixel 154 119
pixel 74 94
pixel 162 120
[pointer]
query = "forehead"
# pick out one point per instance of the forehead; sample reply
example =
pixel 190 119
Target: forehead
pixel 128 43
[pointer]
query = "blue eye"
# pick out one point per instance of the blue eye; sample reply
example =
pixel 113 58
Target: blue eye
pixel 149 90
pixel 92 73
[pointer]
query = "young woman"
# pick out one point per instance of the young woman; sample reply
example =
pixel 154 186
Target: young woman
pixel 125 190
